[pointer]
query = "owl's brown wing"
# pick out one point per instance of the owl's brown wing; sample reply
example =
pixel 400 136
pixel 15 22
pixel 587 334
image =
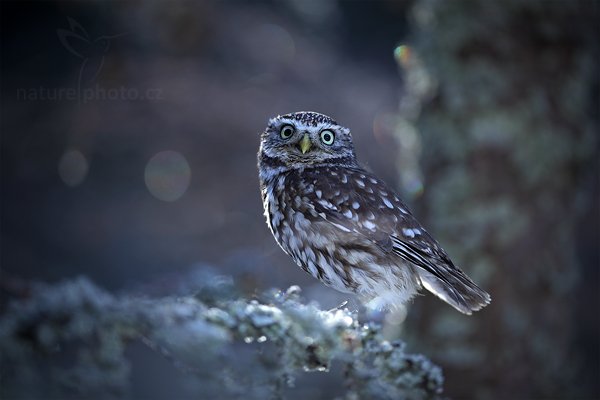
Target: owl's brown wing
pixel 356 201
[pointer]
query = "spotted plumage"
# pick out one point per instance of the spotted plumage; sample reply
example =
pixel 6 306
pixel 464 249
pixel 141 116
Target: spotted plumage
pixel 346 227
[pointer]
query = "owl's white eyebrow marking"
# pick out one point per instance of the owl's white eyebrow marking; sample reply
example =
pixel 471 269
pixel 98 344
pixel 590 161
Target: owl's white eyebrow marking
pixel 387 203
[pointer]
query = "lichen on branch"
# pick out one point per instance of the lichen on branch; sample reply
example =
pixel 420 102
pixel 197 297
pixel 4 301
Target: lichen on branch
pixel 70 339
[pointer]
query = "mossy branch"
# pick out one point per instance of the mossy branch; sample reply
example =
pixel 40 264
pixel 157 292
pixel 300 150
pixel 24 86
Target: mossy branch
pixel 71 338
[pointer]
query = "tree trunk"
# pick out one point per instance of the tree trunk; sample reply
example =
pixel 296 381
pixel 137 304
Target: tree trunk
pixel 504 96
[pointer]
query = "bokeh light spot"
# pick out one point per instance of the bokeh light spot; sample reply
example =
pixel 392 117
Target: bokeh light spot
pixel 73 167
pixel 402 54
pixel 413 184
pixel 167 175
pixel 315 11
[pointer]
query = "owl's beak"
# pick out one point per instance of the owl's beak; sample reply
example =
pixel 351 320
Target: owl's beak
pixel 305 144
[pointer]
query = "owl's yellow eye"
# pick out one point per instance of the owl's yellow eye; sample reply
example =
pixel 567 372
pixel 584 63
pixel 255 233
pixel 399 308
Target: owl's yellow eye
pixel 286 131
pixel 327 137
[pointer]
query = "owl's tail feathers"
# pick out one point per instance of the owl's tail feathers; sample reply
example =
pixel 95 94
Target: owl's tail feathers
pixel 438 275
pixel 456 289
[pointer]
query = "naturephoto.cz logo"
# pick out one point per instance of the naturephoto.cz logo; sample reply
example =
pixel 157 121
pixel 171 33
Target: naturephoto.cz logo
pixel 88 94
pixel 91 52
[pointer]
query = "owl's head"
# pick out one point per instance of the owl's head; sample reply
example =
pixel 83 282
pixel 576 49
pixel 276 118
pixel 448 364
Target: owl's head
pixel 306 137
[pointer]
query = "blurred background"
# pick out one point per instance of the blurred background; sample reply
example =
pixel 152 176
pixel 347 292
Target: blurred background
pixel 129 133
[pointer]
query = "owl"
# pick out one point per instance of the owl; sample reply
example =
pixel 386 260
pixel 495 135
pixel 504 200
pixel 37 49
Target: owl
pixel 346 227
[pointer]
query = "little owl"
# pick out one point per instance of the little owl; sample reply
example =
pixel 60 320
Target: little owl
pixel 346 227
